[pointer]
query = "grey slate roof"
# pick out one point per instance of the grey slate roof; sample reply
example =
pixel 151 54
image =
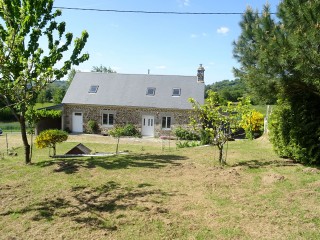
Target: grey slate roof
pixel 117 89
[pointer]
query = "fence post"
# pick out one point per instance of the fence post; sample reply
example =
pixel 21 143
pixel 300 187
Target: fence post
pixel 7 143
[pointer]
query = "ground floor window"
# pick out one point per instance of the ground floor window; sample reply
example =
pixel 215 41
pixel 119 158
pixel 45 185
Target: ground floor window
pixel 166 122
pixel 108 119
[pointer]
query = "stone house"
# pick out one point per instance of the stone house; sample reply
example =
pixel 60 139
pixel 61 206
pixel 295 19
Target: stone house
pixel 155 104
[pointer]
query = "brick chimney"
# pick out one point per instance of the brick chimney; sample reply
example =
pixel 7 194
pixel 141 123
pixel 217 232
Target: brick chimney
pixel 200 74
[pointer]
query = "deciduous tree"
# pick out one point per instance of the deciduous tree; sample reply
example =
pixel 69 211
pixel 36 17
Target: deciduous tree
pixel 217 120
pixel 26 66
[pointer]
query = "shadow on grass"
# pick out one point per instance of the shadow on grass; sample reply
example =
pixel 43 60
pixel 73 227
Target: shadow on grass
pixel 70 166
pixel 100 207
pixel 259 163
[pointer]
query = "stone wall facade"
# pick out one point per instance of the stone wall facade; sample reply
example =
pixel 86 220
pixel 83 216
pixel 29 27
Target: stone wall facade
pixel 125 115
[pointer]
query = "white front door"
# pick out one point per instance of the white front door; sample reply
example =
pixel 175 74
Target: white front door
pixel 77 122
pixel 147 126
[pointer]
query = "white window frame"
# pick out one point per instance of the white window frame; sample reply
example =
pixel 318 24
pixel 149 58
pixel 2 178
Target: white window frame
pixel 108 118
pixel 165 127
pixel 153 91
pixel 176 95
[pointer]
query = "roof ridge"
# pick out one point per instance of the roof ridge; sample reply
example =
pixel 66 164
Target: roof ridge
pixel 142 74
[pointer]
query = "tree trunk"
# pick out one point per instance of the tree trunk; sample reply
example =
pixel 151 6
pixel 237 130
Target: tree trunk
pixel 25 140
pixel 220 147
pixel 54 150
pixel 117 149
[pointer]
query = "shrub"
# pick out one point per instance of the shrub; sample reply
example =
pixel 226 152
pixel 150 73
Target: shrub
pixel 185 134
pixel 252 123
pixel 131 130
pixel 92 127
pixel 205 138
pixel 295 133
pixel 49 138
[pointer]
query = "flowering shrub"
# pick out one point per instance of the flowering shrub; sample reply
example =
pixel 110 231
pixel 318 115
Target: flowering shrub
pixel 49 138
pixel 252 122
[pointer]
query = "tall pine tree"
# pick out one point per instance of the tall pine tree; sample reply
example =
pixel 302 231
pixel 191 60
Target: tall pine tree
pixel 281 58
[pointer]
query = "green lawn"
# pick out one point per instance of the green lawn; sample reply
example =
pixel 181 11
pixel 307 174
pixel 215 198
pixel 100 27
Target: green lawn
pixel 153 194
pixel 262 108
pixel 10 126
pixel 43 105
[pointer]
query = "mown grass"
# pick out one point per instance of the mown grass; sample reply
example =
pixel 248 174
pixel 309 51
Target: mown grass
pixel 262 108
pixel 43 105
pixel 153 194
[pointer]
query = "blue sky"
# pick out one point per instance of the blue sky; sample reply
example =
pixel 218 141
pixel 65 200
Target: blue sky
pixel 165 44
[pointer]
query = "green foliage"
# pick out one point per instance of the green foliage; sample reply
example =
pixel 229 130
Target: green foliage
pixel 43 113
pixel 127 130
pixel 102 69
pixel 71 75
pixel 228 90
pixel 131 130
pixel 49 138
pixel 58 95
pixel 92 127
pixel 25 67
pixel 187 144
pixel 54 92
pixel 10 126
pixel 261 83
pixel 34 115
pixel 204 137
pixel 252 122
pixel 279 59
pixel 117 132
pixel 6 114
pixel 215 121
pixel 185 134
pixel 295 135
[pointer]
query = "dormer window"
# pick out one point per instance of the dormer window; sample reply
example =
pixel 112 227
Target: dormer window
pixel 151 91
pixel 93 89
pixel 176 92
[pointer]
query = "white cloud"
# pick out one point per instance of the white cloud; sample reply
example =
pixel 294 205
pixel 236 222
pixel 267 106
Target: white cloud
pixel 193 35
pixel 223 30
pixel 204 34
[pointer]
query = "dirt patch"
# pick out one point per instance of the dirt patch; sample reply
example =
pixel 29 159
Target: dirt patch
pixel 311 170
pixel 271 178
